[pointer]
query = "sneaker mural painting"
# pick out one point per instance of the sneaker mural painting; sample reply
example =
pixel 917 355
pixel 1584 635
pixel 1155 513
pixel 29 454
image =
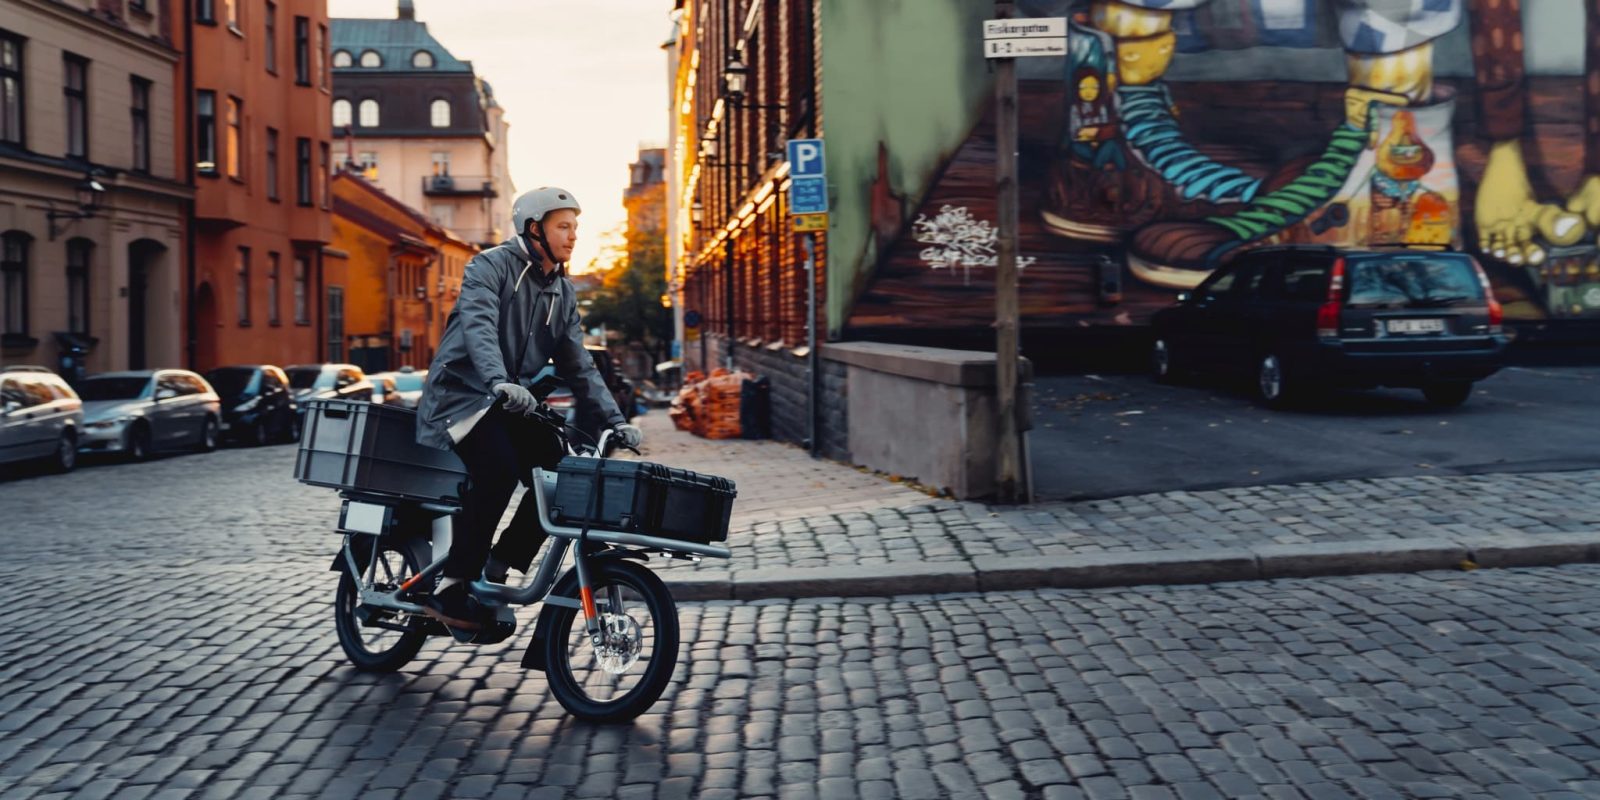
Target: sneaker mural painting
pixel 1178 133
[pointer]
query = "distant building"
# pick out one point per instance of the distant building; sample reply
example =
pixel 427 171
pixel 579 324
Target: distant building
pixel 91 185
pixel 420 125
pixel 398 276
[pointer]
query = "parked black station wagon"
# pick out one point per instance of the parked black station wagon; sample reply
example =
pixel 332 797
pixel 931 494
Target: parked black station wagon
pixel 1300 317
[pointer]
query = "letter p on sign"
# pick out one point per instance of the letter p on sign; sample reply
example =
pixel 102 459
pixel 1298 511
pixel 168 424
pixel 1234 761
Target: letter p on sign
pixel 806 158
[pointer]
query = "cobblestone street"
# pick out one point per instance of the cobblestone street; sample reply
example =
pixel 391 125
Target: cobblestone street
pixel 172 642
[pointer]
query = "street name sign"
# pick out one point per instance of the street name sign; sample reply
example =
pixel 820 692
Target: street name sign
pixel 1022 38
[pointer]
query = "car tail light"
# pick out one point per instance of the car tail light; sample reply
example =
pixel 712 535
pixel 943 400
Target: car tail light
pixel 1497 315
pixel 1328 313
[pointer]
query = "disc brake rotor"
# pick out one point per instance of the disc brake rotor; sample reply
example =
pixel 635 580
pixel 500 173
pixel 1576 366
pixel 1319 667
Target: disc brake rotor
pixel 621 643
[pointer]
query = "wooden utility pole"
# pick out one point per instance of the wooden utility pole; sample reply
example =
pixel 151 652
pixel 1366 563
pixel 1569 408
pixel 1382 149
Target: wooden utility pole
pixel 1009 484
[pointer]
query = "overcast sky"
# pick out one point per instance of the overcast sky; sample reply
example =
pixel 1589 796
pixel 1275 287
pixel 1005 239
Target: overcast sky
pixel 583 83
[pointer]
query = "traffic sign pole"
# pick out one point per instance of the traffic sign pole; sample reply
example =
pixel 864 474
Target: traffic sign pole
pixel 808 209
pixel 1009 484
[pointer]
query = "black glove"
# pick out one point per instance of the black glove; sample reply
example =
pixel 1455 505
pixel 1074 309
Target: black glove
pixel 518 398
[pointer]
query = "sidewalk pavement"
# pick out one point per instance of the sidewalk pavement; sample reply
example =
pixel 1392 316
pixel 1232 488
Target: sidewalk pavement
pixel 806 527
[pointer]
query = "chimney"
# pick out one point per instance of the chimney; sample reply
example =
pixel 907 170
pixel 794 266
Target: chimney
pixel 407 10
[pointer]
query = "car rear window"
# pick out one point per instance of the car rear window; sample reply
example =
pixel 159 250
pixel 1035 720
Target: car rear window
pixel 310 378
pixel 232 381
pixel 113 388
pixel 1413 282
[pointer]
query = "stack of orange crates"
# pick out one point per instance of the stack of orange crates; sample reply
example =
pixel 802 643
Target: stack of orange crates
pixel 717 414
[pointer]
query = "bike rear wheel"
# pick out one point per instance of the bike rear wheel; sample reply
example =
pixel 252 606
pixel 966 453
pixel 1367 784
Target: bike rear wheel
pixel 620 679
pixel 387 640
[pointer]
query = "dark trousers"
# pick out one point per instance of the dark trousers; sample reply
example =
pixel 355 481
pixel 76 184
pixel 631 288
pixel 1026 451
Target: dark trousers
pixel 501 450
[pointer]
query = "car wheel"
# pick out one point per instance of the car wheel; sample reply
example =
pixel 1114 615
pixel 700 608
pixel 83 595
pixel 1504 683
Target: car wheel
pixel 208 435
pixel 258 433
pixel 1161 362
pixel 1272 385
pixel 293 429
pixel 1449 394
pixel 66 452
pixel 138 445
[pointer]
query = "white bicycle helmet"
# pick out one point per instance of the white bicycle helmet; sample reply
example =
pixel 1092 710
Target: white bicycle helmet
pixel 533 206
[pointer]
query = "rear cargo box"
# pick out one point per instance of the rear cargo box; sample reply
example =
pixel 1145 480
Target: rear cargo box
pixel 367 447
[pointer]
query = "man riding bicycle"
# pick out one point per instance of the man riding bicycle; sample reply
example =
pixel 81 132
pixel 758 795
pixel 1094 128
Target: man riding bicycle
pixel 517 312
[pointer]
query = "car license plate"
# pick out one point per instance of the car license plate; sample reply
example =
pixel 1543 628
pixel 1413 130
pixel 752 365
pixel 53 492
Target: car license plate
pixel 1407 326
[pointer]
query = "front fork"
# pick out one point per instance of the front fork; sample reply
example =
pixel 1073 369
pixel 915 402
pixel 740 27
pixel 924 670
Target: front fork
pixel 591 617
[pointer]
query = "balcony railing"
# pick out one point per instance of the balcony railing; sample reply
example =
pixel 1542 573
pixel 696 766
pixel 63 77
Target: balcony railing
pixel 459 186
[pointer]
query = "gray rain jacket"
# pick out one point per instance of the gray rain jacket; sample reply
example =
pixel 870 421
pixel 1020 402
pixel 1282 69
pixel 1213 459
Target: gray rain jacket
pixel 505 309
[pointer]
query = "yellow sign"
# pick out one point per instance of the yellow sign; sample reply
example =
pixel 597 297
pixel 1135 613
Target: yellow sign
pixel 810 223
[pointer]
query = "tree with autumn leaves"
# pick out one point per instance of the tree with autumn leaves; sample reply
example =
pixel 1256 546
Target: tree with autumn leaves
pixel 632 268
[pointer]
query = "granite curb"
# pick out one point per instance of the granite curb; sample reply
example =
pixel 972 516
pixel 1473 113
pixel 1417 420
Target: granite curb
pixel 1102 570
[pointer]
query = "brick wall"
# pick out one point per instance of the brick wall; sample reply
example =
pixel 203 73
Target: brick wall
pixel 787 372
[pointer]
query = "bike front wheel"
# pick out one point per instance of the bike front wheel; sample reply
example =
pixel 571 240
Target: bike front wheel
pixel 377 640
pixel 624 674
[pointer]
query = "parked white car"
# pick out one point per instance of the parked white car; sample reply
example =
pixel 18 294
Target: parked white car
pixel 41 418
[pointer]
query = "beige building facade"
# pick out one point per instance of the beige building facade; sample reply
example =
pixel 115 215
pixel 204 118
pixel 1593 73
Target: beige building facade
pixel 421 125
pixel 91 199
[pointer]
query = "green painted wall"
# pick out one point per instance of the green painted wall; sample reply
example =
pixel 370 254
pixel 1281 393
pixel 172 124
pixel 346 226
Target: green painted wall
pixel 906 73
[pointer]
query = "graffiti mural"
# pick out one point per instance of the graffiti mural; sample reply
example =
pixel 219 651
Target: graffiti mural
pixel 1178 133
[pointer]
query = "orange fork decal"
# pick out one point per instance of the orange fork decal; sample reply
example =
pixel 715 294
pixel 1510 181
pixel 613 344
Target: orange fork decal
pixel 587 595
pixel 406 587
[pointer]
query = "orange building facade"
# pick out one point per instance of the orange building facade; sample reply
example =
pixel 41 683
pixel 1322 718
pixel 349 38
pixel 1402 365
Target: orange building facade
pixel 398 275
pixel 257 94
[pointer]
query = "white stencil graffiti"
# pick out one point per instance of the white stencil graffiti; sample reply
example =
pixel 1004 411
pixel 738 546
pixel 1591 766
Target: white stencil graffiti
pixel 956 239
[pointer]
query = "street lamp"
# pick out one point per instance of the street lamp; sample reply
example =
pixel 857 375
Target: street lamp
pixel 697 212
pixel 734 77
pixel 88 192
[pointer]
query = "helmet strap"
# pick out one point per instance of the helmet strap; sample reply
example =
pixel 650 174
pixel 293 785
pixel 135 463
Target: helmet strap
pixel 543 244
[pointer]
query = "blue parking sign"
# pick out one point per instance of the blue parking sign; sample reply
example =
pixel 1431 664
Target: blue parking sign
pixel 807 159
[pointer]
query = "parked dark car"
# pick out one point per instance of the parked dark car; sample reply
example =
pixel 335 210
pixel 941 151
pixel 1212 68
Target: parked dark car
pixel 257 406
pixel 1298 317
pixel 327 382
pixel 41 418
pixel 140 412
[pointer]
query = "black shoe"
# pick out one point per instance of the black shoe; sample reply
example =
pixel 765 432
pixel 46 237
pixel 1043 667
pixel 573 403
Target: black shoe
pixel 455 607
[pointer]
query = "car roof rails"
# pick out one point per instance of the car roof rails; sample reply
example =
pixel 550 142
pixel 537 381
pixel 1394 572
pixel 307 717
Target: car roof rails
pixel 27 368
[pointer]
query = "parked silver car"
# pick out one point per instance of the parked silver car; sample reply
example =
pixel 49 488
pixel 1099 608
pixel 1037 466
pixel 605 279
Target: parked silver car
pixel 141 412
pixel 41 418
pixel 328 382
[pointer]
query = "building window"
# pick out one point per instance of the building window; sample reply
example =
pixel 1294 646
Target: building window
pixel 440 113
pixel 76 87
pixel 335 323
pixel 272 164
pixel 341 59
pixel 14 279
pixel 370 58
pixel 324 183
pixel 341 113
pixel 302 51
pixel 302 156
pixel 137 5
pixel 242 287
pixel 140 108
pixel 230 10
pixel 270 25
pixel 302 313
pixel 441 162
pixel 79 252
pixel 369 164
pixel 322 56
pixel 235 138
pixel 11 83
pixel 272 289
pixel 205 11
pixel 205 134
pixel 422 59
pixel 369 113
